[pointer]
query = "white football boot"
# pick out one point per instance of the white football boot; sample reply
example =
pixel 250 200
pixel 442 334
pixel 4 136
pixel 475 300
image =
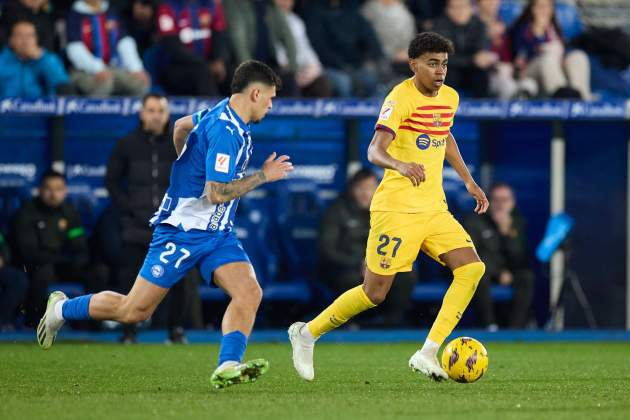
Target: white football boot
pixel 50 324
pixel 427 365
pixel 302 351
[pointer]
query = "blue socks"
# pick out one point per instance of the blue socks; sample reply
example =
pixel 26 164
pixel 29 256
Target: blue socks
pixel 77 308
pixel 232 347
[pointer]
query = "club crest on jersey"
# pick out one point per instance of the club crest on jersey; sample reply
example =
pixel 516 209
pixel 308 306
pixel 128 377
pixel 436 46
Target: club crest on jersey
pixel 157 271
pixel 423 141
pixel 436 120
pixel 386 263
pixel 222 164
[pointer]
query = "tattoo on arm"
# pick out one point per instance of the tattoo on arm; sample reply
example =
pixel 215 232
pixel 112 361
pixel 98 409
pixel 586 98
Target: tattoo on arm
pixel 223 192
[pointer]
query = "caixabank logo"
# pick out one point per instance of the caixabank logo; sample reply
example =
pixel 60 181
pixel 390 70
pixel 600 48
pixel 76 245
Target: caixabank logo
pixel 424 141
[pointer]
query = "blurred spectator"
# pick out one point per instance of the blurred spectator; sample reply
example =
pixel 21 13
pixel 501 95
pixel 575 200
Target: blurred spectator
pixel 310 76
pixel 343 234
pixel 50 243
pixel 104 57
pixel 468 67
pixel 501 242
pixel 503 83
pixel 137 177
pixel 13 285
pixel 139 18
pixel 425 11
pixel 36 11
pixel 347 46
pixel 194 47
pixel 394 38
pixel 255 28
pixel 27 70
pixel 539 52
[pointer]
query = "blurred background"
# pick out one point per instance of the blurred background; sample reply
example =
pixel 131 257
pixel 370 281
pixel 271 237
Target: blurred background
pixel 543 126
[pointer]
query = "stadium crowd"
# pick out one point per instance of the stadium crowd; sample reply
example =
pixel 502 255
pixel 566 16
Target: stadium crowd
pixel 321 48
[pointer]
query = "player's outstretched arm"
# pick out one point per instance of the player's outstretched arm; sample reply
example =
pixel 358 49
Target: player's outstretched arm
pixel 457 162
pixel 273 169
pixel 183 127
pixel 377 154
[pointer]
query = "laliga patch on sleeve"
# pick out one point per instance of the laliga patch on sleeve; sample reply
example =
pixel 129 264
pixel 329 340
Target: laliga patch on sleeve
pixel 222 164
pixel 386 111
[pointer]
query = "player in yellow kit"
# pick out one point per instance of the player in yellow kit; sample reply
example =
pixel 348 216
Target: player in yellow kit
pixel 409 211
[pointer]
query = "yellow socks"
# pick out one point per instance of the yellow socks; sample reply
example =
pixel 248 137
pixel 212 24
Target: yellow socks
pixel 456 300
pixel 349 304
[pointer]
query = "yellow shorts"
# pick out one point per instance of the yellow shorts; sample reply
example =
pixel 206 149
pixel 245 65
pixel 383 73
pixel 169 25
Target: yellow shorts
pixel 396 238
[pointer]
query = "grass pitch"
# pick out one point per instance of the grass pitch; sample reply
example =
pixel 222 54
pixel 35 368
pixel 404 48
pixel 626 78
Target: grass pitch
pixel 103 381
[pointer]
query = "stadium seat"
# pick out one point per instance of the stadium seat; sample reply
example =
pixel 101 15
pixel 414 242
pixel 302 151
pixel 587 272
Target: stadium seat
pixel 211 294
pixel 567 14
pixel 433 291
pixel 11 199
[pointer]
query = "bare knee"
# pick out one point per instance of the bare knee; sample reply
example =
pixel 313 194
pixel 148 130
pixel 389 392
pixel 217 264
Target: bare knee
pixel 376 294
pixel 249 296
pixel 131 314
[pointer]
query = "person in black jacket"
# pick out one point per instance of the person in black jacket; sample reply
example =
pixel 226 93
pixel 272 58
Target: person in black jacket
pixel 13 285
pixel 137 177
pixel 501 241
pixel 468 68
pixel 50 242
pixel 343 236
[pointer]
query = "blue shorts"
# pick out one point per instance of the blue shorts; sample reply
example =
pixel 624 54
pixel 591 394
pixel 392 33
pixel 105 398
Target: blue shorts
pixel 173 252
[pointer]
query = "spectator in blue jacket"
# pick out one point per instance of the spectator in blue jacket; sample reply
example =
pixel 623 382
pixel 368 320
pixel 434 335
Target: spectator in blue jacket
pixel 104 57
pixel 26 69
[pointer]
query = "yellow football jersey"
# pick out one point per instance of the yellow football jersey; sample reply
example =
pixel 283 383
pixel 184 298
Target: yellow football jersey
pixel 420 126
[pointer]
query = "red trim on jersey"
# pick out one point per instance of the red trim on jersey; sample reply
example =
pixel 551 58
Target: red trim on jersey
pixel 102 27
pixel 428 124
pixel 86 34
pixel 441 114
pixel 419 130
pixel 385 128
pixel 434 107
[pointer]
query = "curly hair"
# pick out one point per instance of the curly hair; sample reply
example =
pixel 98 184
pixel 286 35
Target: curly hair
pixel 431 42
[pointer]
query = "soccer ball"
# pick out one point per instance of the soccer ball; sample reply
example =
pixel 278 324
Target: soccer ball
pixel 465 359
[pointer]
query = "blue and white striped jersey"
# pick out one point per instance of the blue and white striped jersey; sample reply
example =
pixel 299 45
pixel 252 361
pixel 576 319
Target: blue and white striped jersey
pixel 217 149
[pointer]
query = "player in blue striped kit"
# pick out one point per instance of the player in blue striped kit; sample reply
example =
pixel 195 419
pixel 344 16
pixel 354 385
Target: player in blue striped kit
pixel 194 226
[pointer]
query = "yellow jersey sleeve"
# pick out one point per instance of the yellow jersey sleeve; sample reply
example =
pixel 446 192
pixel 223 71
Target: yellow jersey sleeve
pixel 393 112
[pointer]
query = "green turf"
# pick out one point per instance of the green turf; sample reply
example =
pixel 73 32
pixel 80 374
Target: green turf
pixel 100 381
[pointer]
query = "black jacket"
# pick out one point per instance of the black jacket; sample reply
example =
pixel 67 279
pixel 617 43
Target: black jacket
pixel 45 235
pixel 137 177
pixel 343 234
pixel 467 39
pixel 499 252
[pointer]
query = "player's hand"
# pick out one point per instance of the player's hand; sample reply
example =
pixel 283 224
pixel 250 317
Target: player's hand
pixel 102 76
pixel 276 168
pixel 479 196
pixel 413 171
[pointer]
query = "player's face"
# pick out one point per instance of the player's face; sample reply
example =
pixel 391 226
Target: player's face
pixel 502 200
pixel 154 115
pixel 262 97
pixel 53 192
pixel 430 70
pixel 363 191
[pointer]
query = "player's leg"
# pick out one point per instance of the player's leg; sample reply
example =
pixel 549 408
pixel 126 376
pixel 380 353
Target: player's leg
pixel 171 254
pixel 451 245
pixel 392 247
pixel 351 303
pixel 136 306
pixel 239 282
